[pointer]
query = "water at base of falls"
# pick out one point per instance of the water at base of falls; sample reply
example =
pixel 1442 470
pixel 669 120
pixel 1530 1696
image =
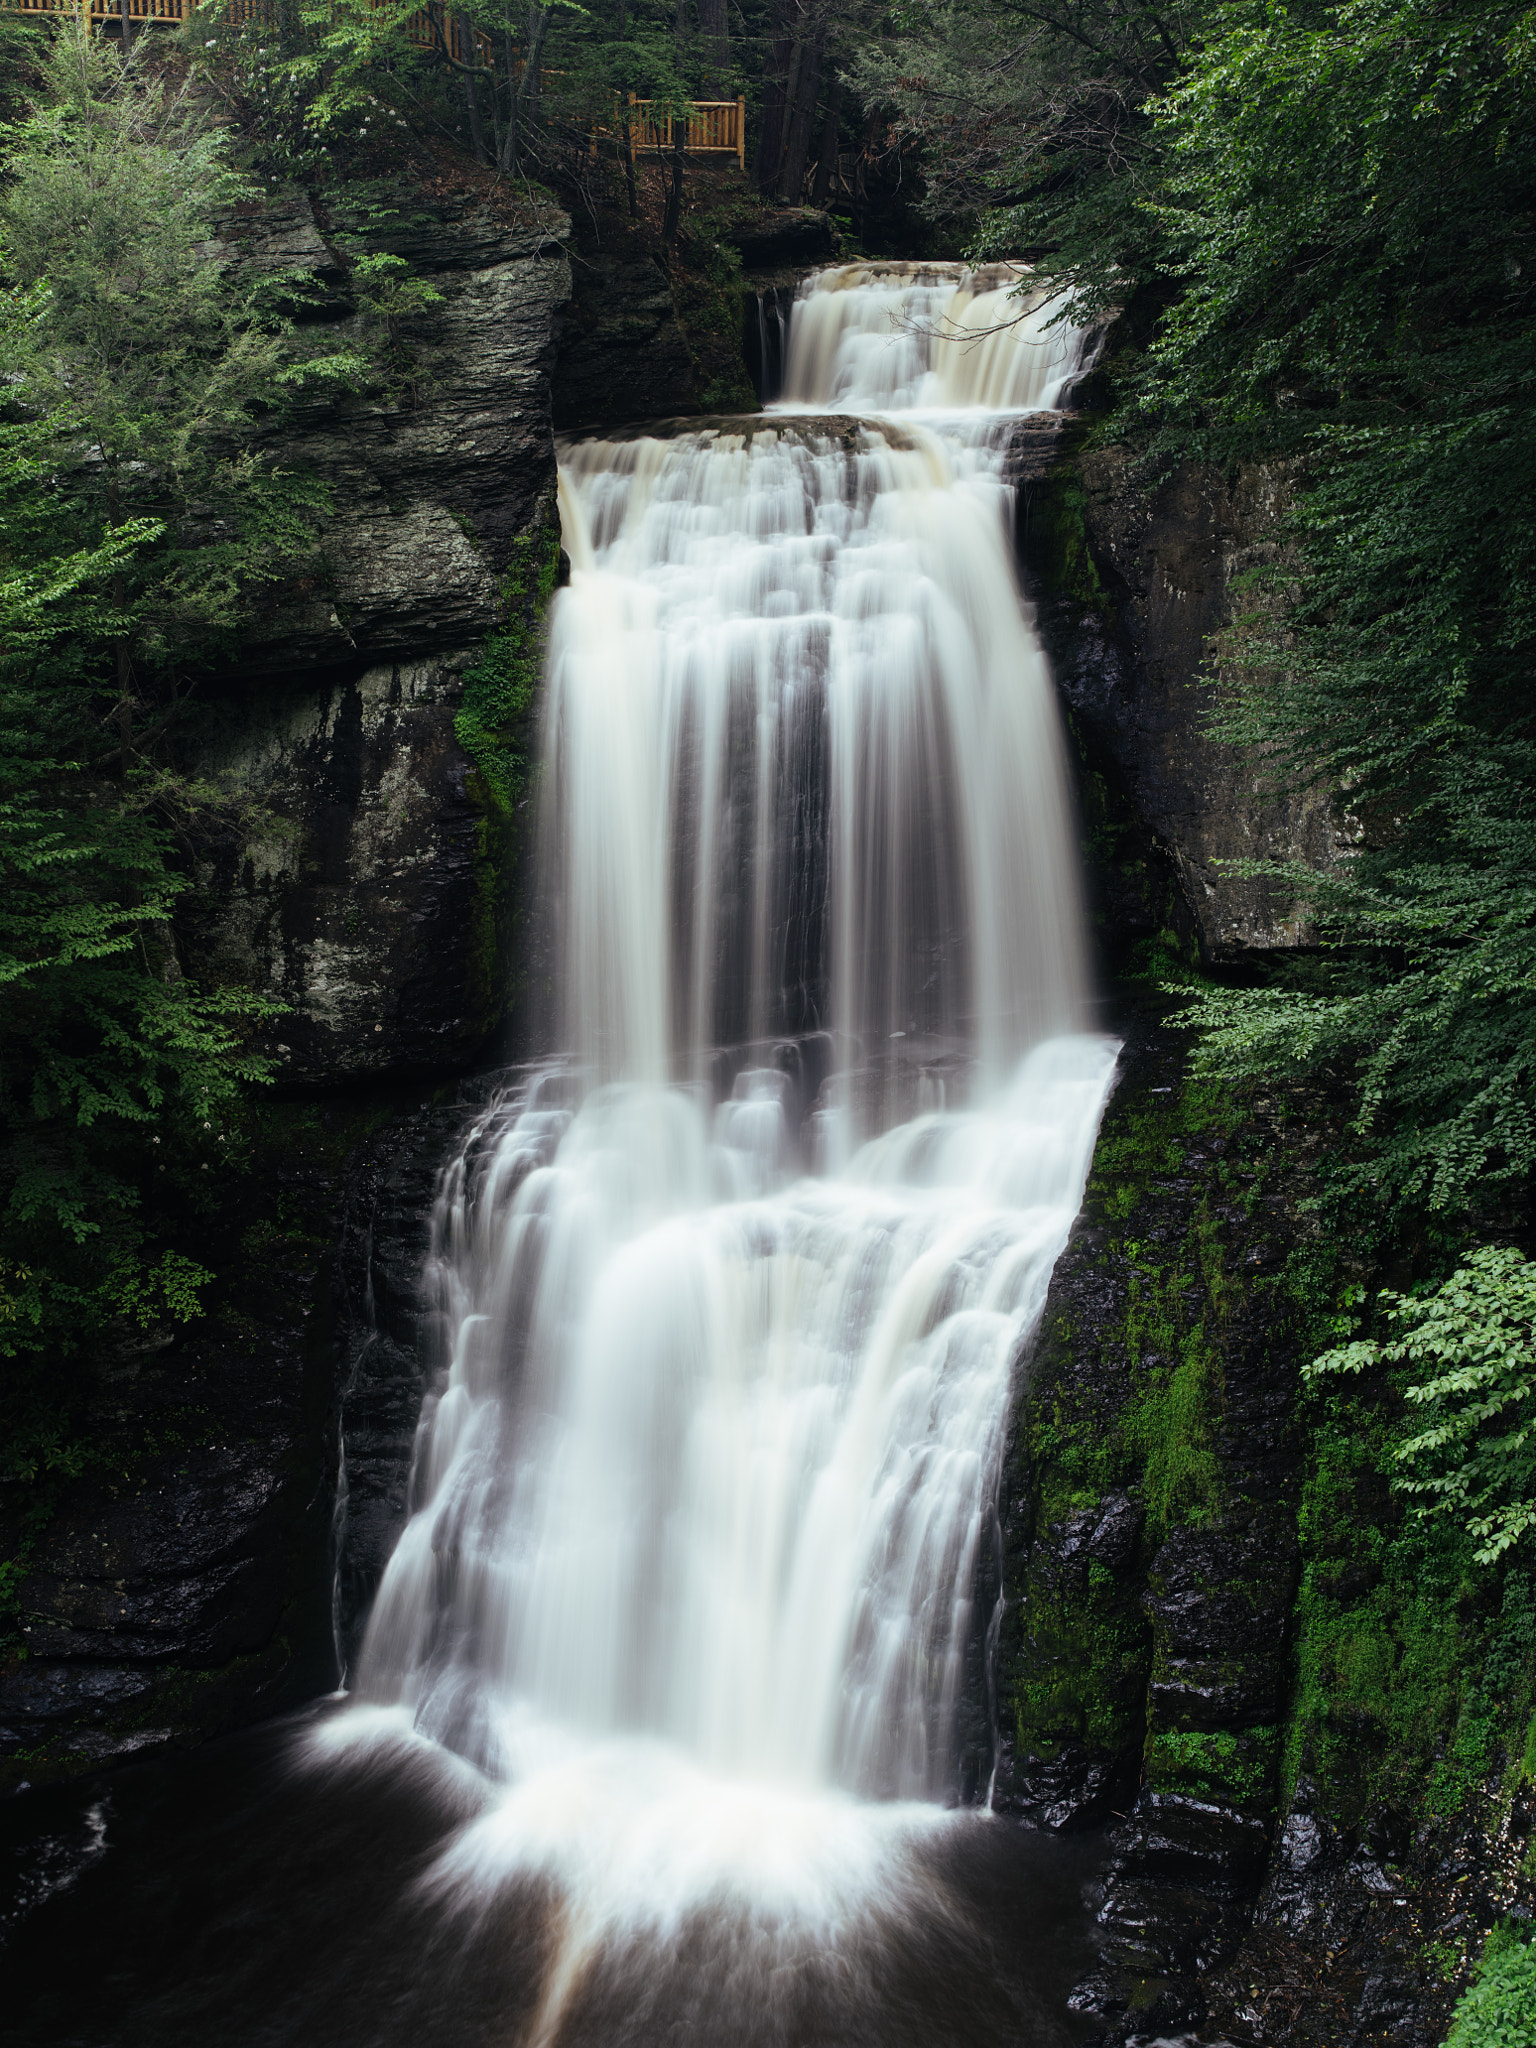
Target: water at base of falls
pixel 659 1693
pixel 288 1888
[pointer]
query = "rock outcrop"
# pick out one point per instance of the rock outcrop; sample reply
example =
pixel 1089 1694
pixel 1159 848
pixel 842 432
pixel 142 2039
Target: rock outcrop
pixel 182 1581
pixel 1137 584
pixel 368 884
pixel 1148 1534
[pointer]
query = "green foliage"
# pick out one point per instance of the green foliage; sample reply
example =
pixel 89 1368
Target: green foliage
pixel 1353 197
pixel 1031 123
pixel 1415 1669
pixel 1498 2010
pixel 1238 1768
pixel 168 1291
pixel 326 81
pixel 499 691
pixel 1378 1668
pixel 133 521
pixel 1341 189
pixel 1470 1451
pixel 387 293
pixel 1322 219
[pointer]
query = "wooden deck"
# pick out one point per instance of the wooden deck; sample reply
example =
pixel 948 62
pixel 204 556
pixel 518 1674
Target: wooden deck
pixel 712 128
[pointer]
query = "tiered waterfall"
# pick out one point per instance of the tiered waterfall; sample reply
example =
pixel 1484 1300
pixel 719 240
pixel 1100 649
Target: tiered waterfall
pixel 735 1288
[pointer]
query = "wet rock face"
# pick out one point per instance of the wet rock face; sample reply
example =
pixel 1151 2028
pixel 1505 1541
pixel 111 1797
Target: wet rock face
pixel 392 1346
pixel 623 353
pixel 1137 585
pixel 359 899
pixel 436 472
pixel 181 1584
pixel 217 1566
pixel 1362 1935
pixel 1148 1535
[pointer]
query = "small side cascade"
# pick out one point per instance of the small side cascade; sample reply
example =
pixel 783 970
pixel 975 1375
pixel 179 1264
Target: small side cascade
pixel 765 340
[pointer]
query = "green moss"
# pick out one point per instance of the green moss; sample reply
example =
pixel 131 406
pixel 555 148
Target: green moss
pixel 1169 1429
pixel 1166 961
pixel 489 866
pixel 494 727
pixel 1058 535
pixel 1084 1678
pixel 1238 1769
pixel 711 311
pixel 500 690
pixel 1413 1674
pixel 1083 1675
pixel 1147 1140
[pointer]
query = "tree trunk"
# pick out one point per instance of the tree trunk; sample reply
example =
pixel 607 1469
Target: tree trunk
pixel 826 154
pixel 770 137
pixel 626 130
pixel 127 28
pixel 672 217
pixel 470 51
pixel 508 159
pixel 800 115
pixel 538 22
pixel 715 23
pixel 627 143
pixel 124 708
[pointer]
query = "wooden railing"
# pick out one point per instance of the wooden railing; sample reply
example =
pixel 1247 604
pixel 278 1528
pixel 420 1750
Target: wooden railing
pixel 104 13
pixel 713 128
pixel 99 11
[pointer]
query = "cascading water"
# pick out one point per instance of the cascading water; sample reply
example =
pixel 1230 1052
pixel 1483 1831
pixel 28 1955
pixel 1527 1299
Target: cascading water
pixel 736 1288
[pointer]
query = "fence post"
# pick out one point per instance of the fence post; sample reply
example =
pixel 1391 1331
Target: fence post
pixel 741 133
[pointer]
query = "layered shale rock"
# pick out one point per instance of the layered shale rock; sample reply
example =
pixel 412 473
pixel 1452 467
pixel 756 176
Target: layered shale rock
pixel 369 881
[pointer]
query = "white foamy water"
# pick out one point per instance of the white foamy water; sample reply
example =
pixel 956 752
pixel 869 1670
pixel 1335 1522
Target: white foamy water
pixel 903 337
pixel 736 1290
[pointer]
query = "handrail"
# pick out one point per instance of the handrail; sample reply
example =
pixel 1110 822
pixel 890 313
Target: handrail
pixel 712 127
pixel 101 13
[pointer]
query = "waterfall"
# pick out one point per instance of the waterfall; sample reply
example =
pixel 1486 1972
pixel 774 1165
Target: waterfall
pixel 738 1284
pixel 905 337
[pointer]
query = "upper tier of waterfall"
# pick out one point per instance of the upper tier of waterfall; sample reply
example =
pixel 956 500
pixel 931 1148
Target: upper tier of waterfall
pixel 904 337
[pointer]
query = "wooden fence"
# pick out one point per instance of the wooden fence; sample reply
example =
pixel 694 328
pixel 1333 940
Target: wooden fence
pixel 712 127
pixel 419 28
pixel 98 12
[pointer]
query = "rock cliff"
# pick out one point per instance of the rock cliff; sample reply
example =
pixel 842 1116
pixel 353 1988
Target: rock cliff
pixel 370 894
pixel 1139 580
pixel 367 882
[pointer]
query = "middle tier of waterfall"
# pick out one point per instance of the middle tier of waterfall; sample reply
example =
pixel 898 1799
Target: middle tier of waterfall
pixel 804 763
